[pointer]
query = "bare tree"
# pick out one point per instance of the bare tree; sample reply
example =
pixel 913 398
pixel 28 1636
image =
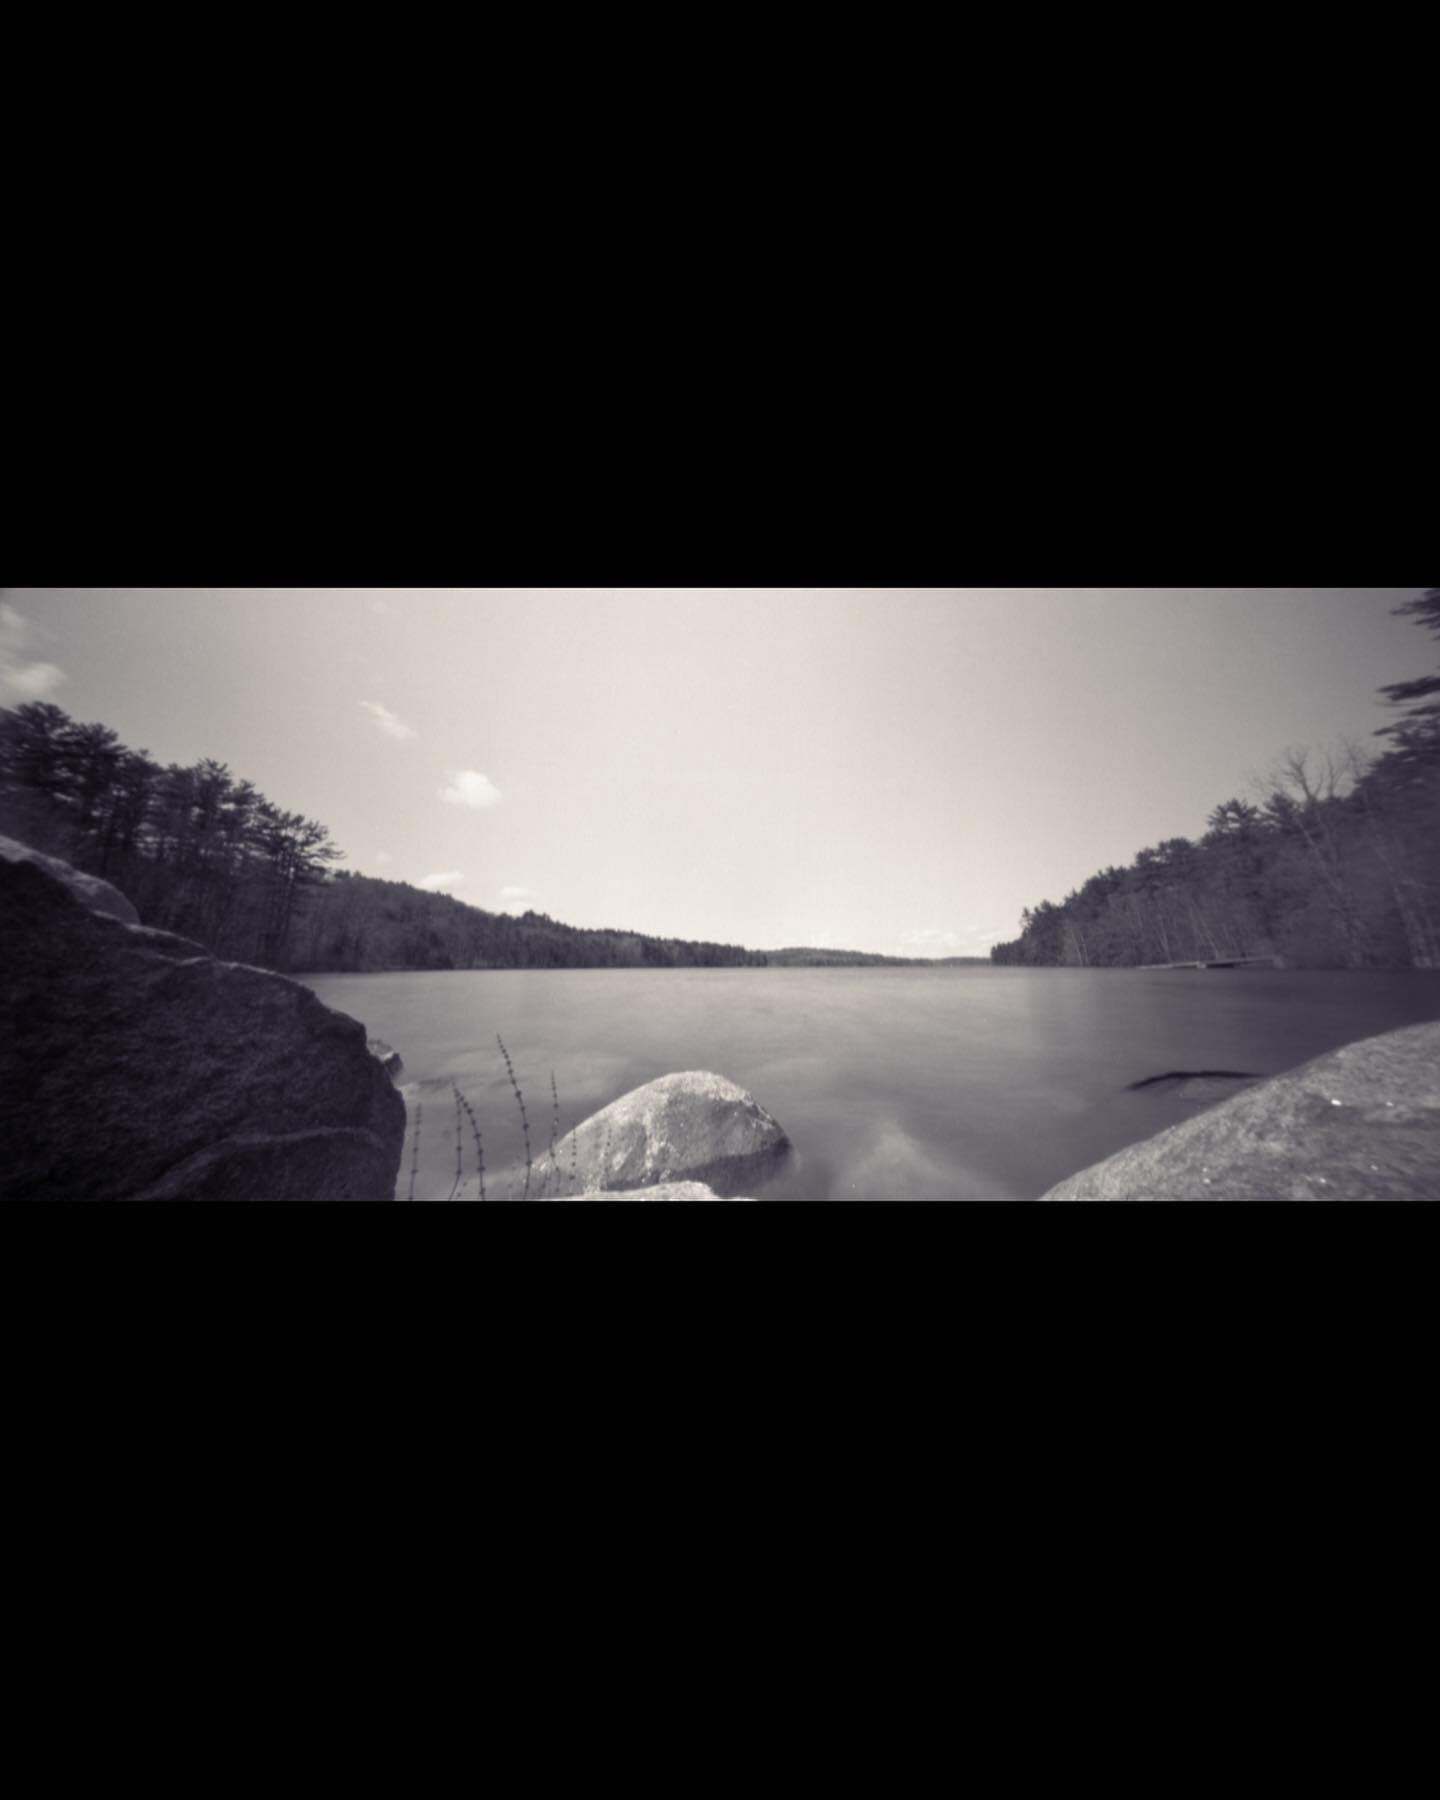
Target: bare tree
pixel 1304 801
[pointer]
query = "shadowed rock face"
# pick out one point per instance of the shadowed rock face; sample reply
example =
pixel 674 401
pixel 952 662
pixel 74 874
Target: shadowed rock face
pixel 1360 1123
pixel 133 1065
pixel 691 1127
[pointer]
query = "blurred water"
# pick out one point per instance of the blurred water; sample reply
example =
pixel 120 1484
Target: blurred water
pixel 910 1083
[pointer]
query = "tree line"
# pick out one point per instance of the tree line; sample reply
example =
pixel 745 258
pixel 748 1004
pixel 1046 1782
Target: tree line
pixel 196 850
pixel 205 854
pixel 1333 863
pixel 357 922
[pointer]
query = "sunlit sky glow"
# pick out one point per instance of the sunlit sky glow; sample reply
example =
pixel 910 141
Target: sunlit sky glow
pixel 896 770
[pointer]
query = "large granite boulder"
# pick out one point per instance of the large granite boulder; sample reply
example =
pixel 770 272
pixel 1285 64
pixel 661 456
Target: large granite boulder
pixel 695 1127
pixel 135 1066
pixel 1360 1123
pixel 89 890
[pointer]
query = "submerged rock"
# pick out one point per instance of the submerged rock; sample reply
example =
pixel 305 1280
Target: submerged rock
pixel 1359 1123
pixel 134 1065
pixel 1199 1085
pixel 690 1127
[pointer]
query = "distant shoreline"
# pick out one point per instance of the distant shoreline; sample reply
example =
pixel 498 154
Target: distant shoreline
pixel 972 962
pixel 858 962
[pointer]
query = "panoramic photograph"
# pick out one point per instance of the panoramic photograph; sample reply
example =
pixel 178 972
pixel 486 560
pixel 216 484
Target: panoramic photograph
pixel 755 894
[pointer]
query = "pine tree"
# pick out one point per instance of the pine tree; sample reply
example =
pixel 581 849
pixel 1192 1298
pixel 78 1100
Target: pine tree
pixel 1419 730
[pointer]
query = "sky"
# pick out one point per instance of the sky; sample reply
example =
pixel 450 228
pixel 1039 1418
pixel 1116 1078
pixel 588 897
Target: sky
pixel 893 770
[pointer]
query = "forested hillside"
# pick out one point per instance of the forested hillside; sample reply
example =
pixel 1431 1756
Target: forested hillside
pixel 204 853
pixel 1335 865
pixel 802 958
pixel 198 851
pixel 355 922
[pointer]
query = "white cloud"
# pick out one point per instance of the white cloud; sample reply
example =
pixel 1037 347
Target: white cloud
pixel 930 937
pixel 442 879
pixel 514 893
pixel 20 677
pixel 470 788
pixel 30 681
pixel 386 720
pixel 934 940
pixel 382 857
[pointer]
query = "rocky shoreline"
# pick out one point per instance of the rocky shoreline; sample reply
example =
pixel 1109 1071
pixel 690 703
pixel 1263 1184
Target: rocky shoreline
pixel 1359 1123
pixel 135 1065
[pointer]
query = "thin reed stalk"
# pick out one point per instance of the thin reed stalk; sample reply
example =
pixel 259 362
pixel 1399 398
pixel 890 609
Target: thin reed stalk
pixel 550 1167
pixel 459 1145
pixel 415 1148
pixel 520 1102
pixel 475 1133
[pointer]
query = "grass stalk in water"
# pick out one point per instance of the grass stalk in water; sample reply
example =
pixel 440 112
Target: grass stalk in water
pixel 475 1133
pixel 459 1144
pixel 550 1166
pixel 415 1147
pixel 520 1102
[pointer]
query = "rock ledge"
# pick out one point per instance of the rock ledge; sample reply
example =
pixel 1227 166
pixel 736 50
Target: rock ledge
pixel 1359 1123
pixel 134 1065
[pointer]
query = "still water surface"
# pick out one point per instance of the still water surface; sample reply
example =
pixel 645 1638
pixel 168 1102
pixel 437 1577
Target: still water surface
pixel 964 1083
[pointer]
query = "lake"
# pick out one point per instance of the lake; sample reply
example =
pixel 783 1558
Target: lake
pixel 904 1083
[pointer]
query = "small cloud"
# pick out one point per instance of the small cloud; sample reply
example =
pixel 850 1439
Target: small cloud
pixel 441 880
pixel 19 676
pixel 382 857
pixel 470 788
pixel 30 681
pixel 379 606
pixel 930 937
pixel 514 893
pixel 386 720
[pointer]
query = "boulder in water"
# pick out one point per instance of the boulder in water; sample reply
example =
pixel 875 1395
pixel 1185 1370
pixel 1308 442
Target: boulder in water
pixel 390 1060
pixel 692 1127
